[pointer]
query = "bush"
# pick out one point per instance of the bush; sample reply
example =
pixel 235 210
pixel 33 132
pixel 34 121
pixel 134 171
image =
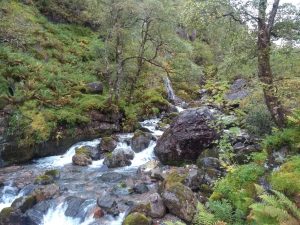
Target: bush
pixel 258 120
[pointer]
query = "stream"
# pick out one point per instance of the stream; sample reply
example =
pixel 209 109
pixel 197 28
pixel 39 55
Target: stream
pixel 84 182
pixel 79 187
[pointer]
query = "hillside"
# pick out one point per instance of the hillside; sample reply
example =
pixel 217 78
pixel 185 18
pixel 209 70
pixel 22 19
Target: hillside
pixel 149 112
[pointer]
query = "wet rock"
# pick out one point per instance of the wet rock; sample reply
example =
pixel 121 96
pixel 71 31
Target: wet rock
pixel 74 204
pixel 108 144
pixel 46 192
pixel 98 213
pixel 94 88
pixel 238 90
pixel 140 188
pixel 180 201
pixel 44 180
pixel 119 158
pixel 53 173
pixel 108 204
pixel 111 177
pixel 137 219
pixel 90 151
pixel 157 207
pixel 35 215
pixel 81 159
pixel 10 216
pixel 190 134
pixel 24 203
pixel 140 141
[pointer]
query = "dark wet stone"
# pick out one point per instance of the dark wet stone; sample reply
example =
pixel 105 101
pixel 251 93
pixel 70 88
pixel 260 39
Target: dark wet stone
pixel 108 204
pixel 111 177
pixel 140 188
pixel 74 204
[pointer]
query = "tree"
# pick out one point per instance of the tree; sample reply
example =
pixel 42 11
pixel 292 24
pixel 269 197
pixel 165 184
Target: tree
pixel 254 14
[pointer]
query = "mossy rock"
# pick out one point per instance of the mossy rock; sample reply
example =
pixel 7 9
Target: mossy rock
pixel 5 213
pixel 137 219
pixel 108 144
pixel 82 151
pixel 24 203
pixel 174 177
pixel 44 180
pixel 53 173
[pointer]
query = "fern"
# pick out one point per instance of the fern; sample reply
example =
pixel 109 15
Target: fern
pixel 203 217
pixel 274 209
pixel 222 210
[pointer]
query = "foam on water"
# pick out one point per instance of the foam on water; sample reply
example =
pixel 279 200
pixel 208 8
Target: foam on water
pixel 9 194
pixel 56 216
pixel 62 160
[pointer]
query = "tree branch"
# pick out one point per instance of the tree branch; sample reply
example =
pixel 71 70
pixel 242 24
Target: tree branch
pixel 273 15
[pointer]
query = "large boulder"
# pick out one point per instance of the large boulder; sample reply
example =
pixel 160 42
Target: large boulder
pixel 119 158
pixel 191 133
pixel 141 141
pixel 180 201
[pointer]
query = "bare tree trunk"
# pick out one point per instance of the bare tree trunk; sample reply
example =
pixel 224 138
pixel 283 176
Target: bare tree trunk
pixel 264 68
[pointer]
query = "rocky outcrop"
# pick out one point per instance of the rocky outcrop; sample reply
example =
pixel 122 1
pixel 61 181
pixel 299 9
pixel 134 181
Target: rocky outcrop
pixel 119 158
pixel 12 153
pixel 191 133
pixel 141 141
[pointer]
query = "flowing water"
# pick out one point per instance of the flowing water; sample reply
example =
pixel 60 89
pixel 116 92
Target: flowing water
pixel 83 182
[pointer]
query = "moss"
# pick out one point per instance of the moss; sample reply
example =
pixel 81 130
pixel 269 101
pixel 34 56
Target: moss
pixel 286 179
pixel 174 177
pixel 44 180
pixel 5 213
pixel 82 151
pixel 53 173
pixel 136 219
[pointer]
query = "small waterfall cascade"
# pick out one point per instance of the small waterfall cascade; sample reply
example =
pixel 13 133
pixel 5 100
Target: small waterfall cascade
pixel 170 91
pixel 171 95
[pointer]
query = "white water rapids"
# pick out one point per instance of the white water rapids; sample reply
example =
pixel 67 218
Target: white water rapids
pixel 56 214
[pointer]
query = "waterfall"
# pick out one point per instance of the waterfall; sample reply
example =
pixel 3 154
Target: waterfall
pixel 171 95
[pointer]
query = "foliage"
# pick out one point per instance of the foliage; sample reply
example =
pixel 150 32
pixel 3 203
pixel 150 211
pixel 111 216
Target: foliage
pixel 274 209
pixel 217 212
pixel 237 186
pixel 289 136
pixel 286 179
